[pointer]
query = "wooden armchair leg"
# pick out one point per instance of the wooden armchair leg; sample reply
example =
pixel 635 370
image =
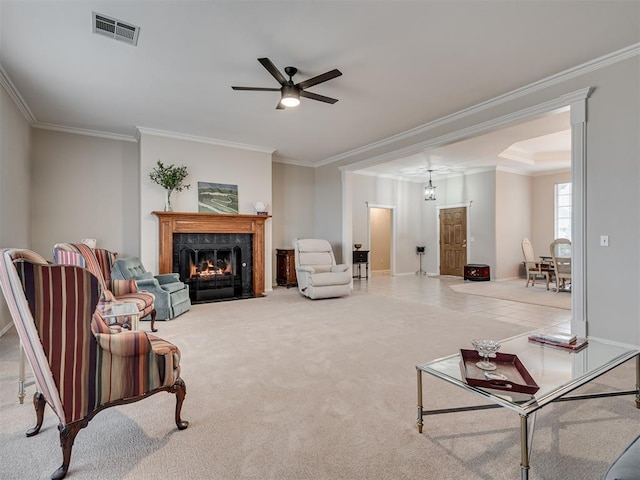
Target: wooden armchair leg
pixel 67 436
pixel 180 389
pixel 153 320
pixel 38 403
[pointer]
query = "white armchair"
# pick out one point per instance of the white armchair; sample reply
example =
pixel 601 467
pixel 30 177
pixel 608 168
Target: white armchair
pixel 317 272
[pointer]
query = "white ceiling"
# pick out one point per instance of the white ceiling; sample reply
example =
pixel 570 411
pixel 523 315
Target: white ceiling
pixel 535 147
pixel 404 64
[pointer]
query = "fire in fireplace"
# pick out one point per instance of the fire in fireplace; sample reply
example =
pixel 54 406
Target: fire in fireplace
pixel 215 266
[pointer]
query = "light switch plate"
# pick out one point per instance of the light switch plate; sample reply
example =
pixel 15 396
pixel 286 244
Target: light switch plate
pixel 604 240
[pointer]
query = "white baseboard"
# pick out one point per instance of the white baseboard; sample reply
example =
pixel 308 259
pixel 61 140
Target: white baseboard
pixel 380 272
pixel 6 329
pixel 612 342
pixel 428 274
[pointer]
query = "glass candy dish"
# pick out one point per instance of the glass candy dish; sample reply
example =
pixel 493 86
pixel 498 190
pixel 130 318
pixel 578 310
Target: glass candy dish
pixel 486 349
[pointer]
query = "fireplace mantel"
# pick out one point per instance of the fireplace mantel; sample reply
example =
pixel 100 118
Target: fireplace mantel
pixel 186 222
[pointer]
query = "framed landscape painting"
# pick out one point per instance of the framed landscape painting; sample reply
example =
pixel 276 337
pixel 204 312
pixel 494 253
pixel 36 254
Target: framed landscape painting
pixel 217 198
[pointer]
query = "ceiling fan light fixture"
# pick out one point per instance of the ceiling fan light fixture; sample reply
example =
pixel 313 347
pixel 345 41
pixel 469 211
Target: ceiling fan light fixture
pixel 290 92
pixel 290 96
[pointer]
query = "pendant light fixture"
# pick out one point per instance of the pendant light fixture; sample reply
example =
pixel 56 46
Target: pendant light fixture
pixel 429 190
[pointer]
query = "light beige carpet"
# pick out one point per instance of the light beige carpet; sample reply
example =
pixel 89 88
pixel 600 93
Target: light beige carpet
pixel 287 388
pixel 516 291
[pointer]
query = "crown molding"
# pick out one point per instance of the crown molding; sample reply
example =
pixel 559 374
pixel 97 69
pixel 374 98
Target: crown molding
pixel 418 179
pixel 515 171
pixel 12 91
pixel 590 66
pixel 389 176
pixel 554 105
pixel 193 138
pixel 296 163
pixel 84 131
pixel 551 172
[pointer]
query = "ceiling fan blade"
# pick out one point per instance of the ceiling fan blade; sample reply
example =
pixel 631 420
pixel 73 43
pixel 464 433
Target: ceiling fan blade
pixel 320 98
pixel 273 70
pixel 258 89
pixel 320 78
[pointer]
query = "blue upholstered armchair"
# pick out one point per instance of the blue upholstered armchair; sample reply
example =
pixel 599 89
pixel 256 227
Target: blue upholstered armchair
pixel 172 295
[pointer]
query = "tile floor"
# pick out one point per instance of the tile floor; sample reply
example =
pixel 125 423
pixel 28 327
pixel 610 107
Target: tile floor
pixel 435 291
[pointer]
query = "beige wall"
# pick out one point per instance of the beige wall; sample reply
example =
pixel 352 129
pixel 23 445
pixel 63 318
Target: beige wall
pixel 83 187
pixel 476 190
pixel 542 211
pixel 405 199
pixel 613 177
pixel 293 205
pixel 248 169
pixel 328 209
pixel 513 222
pixel 15 187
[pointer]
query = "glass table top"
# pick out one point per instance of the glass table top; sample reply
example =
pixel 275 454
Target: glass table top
pixel 114 309
pixel 556 371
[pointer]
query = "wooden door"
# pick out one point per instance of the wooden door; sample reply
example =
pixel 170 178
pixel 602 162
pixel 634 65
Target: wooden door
pixel 453 241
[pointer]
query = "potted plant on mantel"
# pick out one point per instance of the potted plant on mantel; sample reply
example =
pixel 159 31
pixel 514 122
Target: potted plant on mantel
pixel 170 178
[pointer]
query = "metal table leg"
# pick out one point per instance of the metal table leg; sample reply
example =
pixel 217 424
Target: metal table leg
pixel 524 447
pixel 638 381
pixel 21 375
pixel 419 399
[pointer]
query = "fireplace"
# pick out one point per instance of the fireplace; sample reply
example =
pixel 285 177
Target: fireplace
pixel 216 266
pixel 208 242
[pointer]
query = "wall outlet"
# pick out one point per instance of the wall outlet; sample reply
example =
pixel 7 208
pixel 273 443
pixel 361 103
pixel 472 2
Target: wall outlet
pixel 604 240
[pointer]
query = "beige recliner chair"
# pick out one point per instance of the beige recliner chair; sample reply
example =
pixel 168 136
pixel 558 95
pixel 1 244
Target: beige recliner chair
pixel 317 272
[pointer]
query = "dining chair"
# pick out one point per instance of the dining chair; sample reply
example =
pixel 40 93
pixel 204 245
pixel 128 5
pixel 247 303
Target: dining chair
pixel 534 269
pixel 560 250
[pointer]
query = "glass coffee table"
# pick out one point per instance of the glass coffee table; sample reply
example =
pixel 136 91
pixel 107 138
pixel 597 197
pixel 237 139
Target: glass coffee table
pixel 125 314
pixel 556 371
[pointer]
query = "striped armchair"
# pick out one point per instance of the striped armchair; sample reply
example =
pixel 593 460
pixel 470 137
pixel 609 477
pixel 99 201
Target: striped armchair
pixel 80 366
pixel 100 262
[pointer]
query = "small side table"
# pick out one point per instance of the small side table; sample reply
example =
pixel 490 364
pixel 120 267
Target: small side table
pixel 286 268
pixel 111 312
pixel 361 257
pixel 477 272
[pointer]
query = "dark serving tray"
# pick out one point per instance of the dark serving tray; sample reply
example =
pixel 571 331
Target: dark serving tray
pixel 518 378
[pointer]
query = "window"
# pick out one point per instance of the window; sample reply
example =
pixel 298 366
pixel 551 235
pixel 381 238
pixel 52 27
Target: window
pixel 562 224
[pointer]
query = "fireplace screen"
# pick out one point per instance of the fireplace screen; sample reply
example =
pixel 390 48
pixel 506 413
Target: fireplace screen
pixel 216 266
pixel 212 273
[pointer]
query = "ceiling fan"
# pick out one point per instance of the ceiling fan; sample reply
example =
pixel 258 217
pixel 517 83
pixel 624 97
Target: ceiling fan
pixel 290 93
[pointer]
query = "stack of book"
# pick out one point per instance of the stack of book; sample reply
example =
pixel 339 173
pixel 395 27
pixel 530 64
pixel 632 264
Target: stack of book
pixel 559 339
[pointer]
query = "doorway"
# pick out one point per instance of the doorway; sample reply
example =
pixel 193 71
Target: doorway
pixel 381 228
pixel 380 241
pixel 453 240
pixel 576 102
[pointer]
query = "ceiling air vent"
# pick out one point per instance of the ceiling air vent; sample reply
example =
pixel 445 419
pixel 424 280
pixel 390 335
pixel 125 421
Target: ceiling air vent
pixel 114 28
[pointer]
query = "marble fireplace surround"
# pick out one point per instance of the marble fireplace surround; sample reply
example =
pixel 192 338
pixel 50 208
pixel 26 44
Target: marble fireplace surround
pixel 185 222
